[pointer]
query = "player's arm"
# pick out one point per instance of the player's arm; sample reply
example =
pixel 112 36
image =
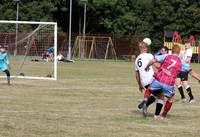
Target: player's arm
pixel 7 62
pixel 187 68
pixel 156 60
pixel 194 75
pixel 151 62
pixel 188 59
pixel 157 65
pixel 137 76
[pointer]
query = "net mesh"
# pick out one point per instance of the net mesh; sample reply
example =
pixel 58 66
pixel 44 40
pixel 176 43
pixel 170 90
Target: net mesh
pixel 28 49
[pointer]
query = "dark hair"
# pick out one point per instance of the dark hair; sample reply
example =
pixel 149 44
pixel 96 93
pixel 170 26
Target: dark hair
pixel 186 40
pixel 166 48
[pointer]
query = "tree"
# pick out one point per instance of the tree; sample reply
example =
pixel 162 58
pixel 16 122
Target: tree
pixel 144 18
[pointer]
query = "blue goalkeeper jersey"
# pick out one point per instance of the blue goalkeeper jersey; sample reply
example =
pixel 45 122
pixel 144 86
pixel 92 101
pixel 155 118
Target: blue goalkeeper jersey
pixel 4 63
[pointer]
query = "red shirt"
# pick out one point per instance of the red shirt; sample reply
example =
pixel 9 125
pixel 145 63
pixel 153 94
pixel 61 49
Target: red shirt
pixel 170 67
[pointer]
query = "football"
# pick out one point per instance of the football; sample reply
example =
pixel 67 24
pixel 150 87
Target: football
pixel 147 41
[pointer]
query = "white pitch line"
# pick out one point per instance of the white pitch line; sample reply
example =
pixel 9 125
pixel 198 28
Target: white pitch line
pixel 67 110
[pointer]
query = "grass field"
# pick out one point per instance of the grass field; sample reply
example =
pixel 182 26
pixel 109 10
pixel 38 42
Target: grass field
pixel 90 99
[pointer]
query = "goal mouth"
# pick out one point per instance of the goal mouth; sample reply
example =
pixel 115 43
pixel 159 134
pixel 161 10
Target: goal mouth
pixel 27 45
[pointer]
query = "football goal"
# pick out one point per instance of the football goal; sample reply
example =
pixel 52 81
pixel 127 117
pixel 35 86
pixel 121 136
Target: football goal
pixel 27 45
pixel 94 47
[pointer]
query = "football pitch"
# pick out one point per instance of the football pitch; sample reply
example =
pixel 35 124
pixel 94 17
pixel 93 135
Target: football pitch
pixel 91 99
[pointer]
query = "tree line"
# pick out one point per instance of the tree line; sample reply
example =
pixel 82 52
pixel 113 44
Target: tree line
pixel 144 18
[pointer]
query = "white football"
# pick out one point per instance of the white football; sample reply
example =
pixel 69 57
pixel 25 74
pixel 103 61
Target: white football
pixel 147 41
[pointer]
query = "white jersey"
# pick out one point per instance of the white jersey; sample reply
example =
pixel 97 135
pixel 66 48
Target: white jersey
pixel 186 53
pixel 141 62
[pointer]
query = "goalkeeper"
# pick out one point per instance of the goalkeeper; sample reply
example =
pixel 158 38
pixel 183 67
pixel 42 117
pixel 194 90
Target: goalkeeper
pixel 4 63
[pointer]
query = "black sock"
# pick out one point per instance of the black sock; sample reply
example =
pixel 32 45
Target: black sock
pixel 180 89
pixel 8 75
pixel 150 100
pixel 189 91
pixel 158 108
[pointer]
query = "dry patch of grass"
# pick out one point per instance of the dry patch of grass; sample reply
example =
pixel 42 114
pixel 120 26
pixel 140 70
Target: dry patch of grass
pixel 90 99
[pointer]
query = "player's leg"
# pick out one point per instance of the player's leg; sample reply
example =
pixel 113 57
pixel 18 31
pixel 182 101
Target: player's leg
pixel 155 89
pixel 168 106
pixel 154 96
pixel 8 75
pixel 180 88
pixel 159 106
pixel 187 87
pixel 159 103
pixel 146 96
pixel 169 92
pixel 189 91
pixel 149 101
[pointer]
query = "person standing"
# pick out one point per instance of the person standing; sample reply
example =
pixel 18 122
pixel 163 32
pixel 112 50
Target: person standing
pixel 143 77
pixel 182 78
pixel 4 63
pixel 163 84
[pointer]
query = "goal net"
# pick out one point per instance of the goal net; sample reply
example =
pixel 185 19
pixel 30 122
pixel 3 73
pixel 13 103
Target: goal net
pixel 31 48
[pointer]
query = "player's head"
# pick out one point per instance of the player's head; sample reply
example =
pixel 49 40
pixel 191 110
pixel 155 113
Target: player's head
pixel 164 50
pixel 143 47
pixel 176 49
pixel 2 49
pixel 187 43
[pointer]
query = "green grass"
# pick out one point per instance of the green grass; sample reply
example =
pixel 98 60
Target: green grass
pixel 90 99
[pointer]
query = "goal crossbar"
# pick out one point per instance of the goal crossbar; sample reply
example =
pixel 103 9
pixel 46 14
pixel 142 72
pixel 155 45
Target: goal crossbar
pixel 27 22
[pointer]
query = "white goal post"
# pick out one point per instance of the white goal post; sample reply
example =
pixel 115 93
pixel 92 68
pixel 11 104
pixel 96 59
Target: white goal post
pixel 28 45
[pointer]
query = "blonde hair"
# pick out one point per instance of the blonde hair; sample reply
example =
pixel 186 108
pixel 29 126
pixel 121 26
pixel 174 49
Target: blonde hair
pixel 176 49
pixel 143 45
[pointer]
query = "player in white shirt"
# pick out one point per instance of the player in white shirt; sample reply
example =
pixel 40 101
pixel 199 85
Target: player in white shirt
pixel 140 63
pixel 187 54
pixel 144 78
pixel 182 78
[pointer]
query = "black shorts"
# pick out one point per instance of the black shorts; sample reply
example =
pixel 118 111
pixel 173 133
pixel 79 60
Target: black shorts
pixel 147 86
pixel 183 76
